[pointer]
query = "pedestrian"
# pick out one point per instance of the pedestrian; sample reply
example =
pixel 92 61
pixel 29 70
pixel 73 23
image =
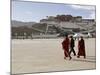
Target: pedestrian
pixel 81 48
pixel 72 45
pixel 65 46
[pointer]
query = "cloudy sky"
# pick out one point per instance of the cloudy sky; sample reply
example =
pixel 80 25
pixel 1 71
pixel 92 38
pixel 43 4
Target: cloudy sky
pixel 32 11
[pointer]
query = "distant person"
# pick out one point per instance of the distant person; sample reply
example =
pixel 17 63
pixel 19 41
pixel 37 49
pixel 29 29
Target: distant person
pixel 65 45
pixel 81 48
pixel 72 45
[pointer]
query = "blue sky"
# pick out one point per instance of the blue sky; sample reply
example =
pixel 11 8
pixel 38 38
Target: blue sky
pixel 32 11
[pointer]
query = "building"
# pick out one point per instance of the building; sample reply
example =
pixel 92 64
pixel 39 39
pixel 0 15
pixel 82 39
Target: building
pixel 65 24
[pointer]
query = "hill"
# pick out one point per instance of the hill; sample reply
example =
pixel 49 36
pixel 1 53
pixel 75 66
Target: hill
pixel 15 23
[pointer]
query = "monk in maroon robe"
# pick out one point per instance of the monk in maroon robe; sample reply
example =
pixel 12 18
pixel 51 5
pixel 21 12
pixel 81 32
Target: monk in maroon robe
pixel 81 48
pixel 65 45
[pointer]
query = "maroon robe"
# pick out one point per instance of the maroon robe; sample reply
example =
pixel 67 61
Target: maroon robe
pixel 65 45
pixel 81 48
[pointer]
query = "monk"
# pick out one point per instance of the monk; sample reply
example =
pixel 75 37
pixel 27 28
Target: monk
pixel 72 45
pixel 65 46
pixel 81 48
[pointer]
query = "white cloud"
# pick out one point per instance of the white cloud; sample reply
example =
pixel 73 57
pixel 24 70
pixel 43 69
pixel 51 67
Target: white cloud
pixel 28 13
pixel 90 9
pixel 83 7
pixel 92 15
